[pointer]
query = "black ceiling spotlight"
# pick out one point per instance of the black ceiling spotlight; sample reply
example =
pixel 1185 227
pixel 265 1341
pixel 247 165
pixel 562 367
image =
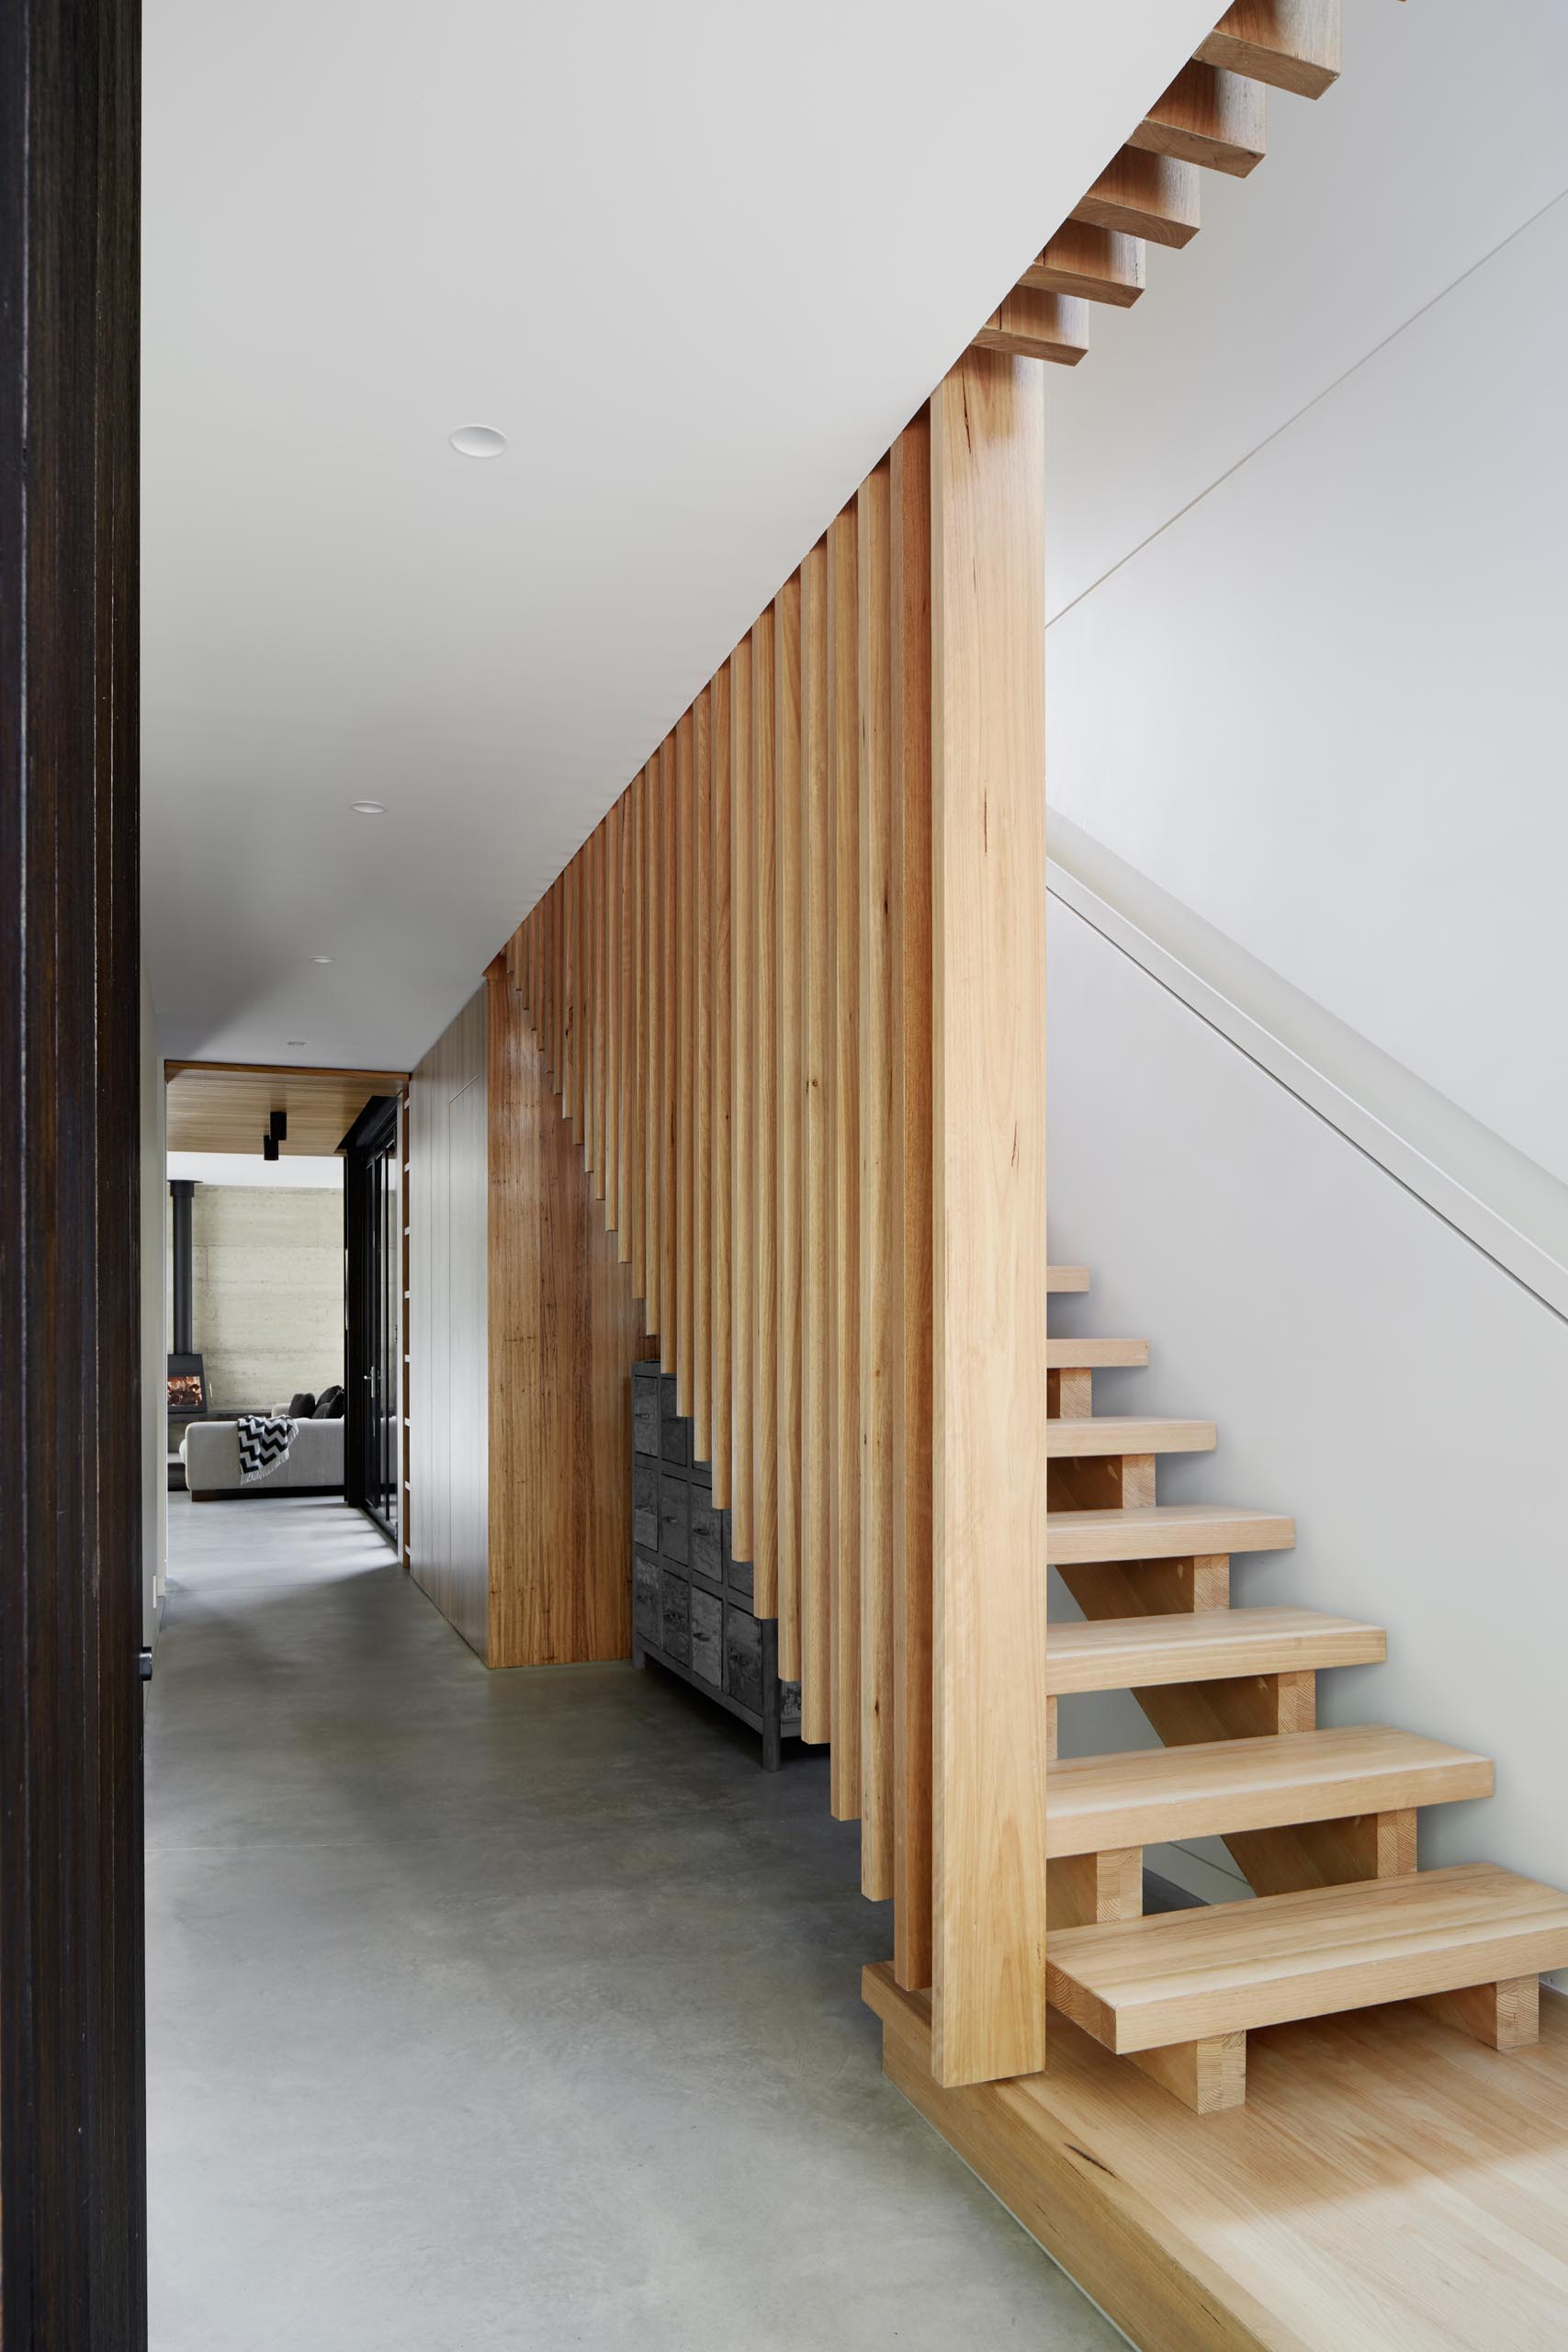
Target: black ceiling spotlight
pixel 269 1147
pixel 276 1132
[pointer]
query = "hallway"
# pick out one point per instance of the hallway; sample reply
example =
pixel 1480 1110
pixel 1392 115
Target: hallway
pixel 514 2010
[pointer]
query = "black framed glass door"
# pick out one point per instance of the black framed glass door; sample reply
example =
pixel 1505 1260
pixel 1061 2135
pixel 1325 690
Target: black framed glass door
pixel 373 1303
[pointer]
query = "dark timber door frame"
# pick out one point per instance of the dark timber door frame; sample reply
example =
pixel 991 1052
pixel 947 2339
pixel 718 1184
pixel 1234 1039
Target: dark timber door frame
pixel 372 1194
pixel 73 2103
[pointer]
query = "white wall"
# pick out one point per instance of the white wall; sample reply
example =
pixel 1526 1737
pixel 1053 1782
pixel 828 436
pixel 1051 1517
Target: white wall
pixel 1308 507
pixel 1370 1371
pixel 154 1424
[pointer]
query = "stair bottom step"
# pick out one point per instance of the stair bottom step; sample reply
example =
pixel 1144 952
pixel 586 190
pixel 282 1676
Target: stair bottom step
pixel 1194 1977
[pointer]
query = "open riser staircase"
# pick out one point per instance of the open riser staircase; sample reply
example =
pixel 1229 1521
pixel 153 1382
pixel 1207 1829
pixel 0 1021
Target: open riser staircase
pixel 791 995
pixel 1322 1823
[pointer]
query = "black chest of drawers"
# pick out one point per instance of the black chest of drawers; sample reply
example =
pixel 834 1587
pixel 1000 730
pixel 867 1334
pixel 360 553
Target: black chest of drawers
pixel 691 1600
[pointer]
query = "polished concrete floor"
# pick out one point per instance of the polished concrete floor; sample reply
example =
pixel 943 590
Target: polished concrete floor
pixel 514 2010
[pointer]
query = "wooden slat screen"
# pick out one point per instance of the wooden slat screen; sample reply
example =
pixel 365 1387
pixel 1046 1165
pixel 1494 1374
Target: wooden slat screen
pixel 791 995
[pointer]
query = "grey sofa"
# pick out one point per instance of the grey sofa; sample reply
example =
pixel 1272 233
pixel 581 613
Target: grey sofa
pixel 210 1451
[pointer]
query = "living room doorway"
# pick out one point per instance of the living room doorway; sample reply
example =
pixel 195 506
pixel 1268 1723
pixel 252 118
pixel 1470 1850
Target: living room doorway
pixel 284 1297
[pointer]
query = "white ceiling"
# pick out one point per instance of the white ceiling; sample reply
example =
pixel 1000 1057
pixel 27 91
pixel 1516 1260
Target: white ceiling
pixel 698 262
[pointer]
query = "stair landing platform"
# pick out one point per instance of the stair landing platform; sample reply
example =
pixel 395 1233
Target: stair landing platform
pixel 1390 2182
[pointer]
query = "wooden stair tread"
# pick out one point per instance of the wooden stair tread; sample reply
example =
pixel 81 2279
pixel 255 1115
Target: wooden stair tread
pixel 1290 44
pixel 1125 1434
pixel 1162 1532
pixel 1146 1796
pixel 1063 1278
pixel 1132 1653
pixel 1093 1355
pixel 1037 325
pixel 1183 1975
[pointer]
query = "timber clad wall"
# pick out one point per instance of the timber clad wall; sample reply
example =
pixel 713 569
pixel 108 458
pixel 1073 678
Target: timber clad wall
pixel 523 1331
pixel 564 1334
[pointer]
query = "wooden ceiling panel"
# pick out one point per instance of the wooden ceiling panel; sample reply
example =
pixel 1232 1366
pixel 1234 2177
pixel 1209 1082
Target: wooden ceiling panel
pixel 226 1106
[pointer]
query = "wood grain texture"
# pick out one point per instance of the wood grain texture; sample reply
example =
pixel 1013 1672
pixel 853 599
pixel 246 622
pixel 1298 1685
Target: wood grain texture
pixel 765 1146
pixel 1504 2015
pixel 1291 44
pixel 1031 325
pixel 611 984
pixel 601 1006
pixel 880 1192
pixel 818 1287
pixel 669 1063
pixel 1213 1788
pixel 1208 2077
pixel 652 983
pixel 626 1040
pixel 789 1025
pixel 1133 1653
pixel 588 858
pixel 742 1107
pixel 701 1076
pixel 1164 1532
pixel 1095 265
pixel 1087 1888
pixel 1068 1438
pixel 1209 117
pixel 1065 1354
pixel 1228 1968
pixel 223 1106
pixel 1240 2235
pixel 639 1046
pixel 844 788
pixel 685 1034
pixel 911 1054
pixel 555 993
pixel 1142 195
pixel 989 1261
pixel 563 1334
pixel 723 1142
pixel 73 2045
pixel 448 1335
pixel 571 999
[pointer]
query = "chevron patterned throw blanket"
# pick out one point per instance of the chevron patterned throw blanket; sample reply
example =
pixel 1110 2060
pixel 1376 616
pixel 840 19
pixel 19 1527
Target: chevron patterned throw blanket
pixel 264 1440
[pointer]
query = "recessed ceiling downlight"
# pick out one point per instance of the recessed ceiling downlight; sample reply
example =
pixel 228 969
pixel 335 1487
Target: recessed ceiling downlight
pixel 369 808
pixel 323 959
pixel 478 441
pixel 295 1041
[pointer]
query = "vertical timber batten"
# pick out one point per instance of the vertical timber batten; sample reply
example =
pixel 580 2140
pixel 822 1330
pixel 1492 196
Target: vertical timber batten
pixel 742 1102
pixel 685 1097
pixel 843 789
pixel 879 1191
pixel 816 1299
pixel 790 1022
pixel 989 1256
pixel 723 1428
pixel 702 1083
pixel 910 949
pixel 764 1144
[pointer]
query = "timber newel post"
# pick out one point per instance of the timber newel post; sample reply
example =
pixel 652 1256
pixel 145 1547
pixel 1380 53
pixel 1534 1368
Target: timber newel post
pixel 989 1253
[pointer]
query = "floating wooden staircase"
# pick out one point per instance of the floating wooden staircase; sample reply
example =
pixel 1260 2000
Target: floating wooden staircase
pixel 1322 1821
pixel 1212 118
pixel 791 993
